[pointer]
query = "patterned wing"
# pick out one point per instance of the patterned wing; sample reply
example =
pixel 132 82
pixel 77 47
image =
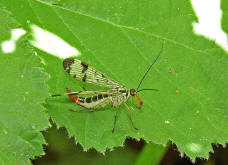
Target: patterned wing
pixel 82 71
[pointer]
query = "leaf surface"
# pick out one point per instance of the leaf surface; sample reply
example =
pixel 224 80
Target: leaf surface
pixel 23 90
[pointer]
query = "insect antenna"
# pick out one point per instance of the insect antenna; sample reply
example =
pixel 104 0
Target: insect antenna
pixel 147 90
pixel 149 69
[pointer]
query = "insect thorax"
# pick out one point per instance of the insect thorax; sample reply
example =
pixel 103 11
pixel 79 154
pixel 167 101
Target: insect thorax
pixel 120 95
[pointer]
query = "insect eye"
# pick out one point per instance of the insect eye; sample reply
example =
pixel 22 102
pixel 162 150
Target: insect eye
pixel 132 92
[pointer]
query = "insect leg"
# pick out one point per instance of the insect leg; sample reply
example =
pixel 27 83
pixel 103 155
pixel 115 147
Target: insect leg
pixel 133 102
pixel 114 125
pixel 72 110
pixel 82 110
pixel 83 93
pixel 129 115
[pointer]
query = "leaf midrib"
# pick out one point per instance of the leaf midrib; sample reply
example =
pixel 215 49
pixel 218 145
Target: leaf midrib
pixel 125 27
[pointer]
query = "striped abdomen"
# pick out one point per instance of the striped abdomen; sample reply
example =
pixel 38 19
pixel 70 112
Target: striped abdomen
pixel 115 99
pixel 95 102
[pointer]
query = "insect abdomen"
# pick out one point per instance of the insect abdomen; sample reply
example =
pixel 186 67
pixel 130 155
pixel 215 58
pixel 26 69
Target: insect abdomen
pixel 96 101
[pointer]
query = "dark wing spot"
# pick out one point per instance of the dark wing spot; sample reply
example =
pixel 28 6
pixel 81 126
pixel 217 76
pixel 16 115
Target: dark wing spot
pixel 88 99
pixel 68 70
pixel 84 78
pixel 100 97
pixel 94 98
pixel 105 95
pixel 85 67
pixel 67 63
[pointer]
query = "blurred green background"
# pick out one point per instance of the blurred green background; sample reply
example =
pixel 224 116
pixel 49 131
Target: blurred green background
pixel 62 150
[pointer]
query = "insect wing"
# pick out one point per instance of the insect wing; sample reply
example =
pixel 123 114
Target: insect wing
pixel 81 71
pixel 89 93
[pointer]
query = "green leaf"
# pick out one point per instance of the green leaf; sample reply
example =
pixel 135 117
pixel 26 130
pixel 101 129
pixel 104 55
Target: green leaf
pixel 121 39
pixel 23 90
pixel 224 8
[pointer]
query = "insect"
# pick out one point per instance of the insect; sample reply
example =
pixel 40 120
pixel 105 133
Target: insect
pixel 116 95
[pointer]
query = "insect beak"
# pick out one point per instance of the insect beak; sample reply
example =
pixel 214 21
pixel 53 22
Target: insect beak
pixel 139 100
